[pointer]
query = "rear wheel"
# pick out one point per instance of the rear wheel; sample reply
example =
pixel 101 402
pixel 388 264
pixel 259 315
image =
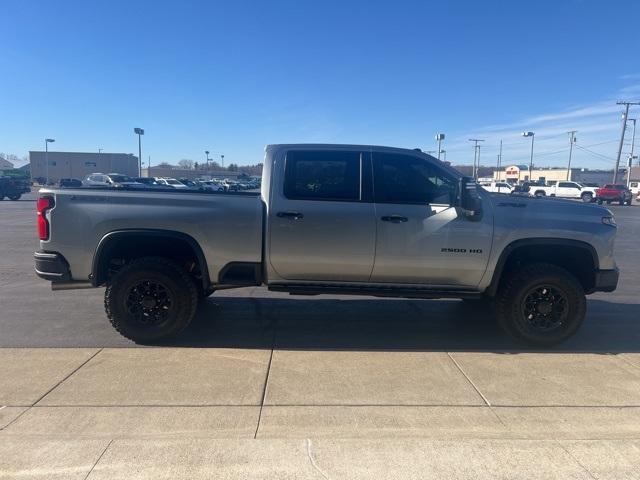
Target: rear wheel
pixel 15 197
pixel 150 299
pixel 539 194
pixel 587 197
pixel 541 305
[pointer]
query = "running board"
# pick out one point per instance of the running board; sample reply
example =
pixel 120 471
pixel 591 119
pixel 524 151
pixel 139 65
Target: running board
pixel 399 292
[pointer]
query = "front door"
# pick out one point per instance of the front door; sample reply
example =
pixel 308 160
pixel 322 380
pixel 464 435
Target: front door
pixel 322 224
pixel 421 237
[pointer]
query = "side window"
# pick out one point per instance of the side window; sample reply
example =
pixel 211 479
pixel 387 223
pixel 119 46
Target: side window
pixel 323 175
pixel 405 179
pixel 566 185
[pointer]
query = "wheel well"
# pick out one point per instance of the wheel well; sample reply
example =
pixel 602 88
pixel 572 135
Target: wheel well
pixel 119 249
pixel 576 258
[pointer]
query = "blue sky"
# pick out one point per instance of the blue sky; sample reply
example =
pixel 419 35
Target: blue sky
pixel 233 76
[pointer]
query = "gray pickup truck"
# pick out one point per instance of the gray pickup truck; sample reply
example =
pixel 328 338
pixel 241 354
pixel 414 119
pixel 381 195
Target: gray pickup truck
pixel 337 219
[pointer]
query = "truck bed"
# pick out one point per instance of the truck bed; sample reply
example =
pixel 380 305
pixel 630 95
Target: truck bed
pixel 227 226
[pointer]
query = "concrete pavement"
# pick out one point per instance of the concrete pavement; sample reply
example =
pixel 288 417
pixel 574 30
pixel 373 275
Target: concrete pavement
pixel 171 413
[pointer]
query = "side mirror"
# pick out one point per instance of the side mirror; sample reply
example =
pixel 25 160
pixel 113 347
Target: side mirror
pixel 469 199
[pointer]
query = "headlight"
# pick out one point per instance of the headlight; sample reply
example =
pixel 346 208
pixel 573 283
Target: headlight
pixel 609 221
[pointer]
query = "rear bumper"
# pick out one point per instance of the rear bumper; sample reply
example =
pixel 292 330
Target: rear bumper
pixel 606 280
pixel 52 266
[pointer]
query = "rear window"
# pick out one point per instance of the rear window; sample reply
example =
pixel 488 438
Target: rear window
pixel 322 175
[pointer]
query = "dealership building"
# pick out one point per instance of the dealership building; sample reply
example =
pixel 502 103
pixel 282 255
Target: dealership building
pixel 551 175
pixel 80 164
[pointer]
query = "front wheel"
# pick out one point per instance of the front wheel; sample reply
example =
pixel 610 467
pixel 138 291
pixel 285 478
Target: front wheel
pixel 150 299
pixel 541 305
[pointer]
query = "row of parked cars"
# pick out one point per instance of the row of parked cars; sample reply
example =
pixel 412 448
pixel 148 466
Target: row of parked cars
pixel 117 180
pixel 587 192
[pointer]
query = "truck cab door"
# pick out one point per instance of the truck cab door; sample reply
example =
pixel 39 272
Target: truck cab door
pixel 321 219
pixel 422 237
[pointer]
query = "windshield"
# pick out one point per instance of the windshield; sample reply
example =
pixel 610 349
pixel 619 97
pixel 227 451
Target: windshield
pixel 173 182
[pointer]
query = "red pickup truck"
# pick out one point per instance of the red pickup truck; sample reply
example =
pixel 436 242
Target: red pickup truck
pixel 614 193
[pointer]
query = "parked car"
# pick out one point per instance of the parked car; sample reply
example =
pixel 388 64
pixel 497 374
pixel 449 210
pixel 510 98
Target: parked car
pixel 109 180
pixel 614 193
pixel 565 190
pixel 148 182
pixel 400 225
pixel 497 187
pixel 13 188
pixel 70 182
pixel 170 182
pixel 635 188
pixel 214 185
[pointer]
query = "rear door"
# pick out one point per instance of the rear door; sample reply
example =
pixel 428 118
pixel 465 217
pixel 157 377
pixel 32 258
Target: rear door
pixel 321 216
pixel 421 238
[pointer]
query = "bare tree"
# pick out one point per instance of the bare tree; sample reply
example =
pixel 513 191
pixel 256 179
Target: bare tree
pixel 186 164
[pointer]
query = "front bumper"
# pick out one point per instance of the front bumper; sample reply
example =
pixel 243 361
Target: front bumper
pixel 52 266
pixel 606 280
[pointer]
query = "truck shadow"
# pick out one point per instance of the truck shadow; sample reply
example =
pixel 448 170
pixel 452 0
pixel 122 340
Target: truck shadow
pixel 357 324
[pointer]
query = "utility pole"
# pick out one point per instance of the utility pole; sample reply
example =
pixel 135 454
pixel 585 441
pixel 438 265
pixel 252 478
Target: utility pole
pixel 222 159
pixel 572 140
pixel 476 156
pixel 633 142
pixel 500 157
pixel 439 138
pixel 624 127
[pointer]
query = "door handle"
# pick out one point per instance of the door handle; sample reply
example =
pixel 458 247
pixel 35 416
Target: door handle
pixel 394 219
pixel 294 215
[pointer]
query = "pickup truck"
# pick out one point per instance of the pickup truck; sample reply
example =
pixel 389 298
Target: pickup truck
pixel 13 188
pixel 565 190
pixel 497 187
pixel 614 193
pixel 334 219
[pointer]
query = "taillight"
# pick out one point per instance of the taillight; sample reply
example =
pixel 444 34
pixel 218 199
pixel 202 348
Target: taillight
pixel 44 204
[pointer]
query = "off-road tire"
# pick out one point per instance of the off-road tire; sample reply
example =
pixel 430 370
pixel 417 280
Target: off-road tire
pixel 514 300
pixel 176 285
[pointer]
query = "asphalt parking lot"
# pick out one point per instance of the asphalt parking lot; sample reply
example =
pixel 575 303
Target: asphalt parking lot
pixel 270 386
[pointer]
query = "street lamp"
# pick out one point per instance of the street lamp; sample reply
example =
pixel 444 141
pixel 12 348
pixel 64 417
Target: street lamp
pixel 439 139
pixel 47 141
pixel 222 158
pixel 139 132
pixel 445 155
pixel 532 135
pixel 207 153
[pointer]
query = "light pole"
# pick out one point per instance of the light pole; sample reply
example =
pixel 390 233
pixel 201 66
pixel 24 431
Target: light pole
pixel 532 135
pixel 439 138
pixel 222 159
pixel 445 155
pixel 207 153
pixel 139 132
pixel 47 141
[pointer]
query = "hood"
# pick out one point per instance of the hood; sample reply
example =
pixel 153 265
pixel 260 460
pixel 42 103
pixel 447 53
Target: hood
pixel 525 209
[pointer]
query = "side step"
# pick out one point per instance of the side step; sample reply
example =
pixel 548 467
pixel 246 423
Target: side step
pixel 398 292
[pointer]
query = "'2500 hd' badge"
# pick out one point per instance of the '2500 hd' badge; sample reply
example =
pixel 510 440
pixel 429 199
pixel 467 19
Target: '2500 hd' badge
pixel 460 250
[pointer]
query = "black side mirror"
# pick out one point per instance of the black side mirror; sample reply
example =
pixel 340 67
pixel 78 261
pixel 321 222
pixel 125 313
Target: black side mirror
pixel 469 199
